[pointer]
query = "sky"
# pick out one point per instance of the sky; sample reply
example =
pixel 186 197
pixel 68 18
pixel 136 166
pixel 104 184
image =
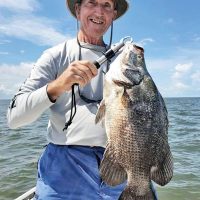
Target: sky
pixel 168 30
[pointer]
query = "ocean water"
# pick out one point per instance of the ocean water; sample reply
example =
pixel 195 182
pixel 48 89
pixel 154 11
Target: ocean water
pixel 21 148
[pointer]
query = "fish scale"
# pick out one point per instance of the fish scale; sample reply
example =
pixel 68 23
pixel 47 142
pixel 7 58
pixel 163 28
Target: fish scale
pixel 136 123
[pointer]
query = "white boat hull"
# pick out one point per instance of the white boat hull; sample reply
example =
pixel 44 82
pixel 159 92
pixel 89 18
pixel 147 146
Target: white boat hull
pixel 28 195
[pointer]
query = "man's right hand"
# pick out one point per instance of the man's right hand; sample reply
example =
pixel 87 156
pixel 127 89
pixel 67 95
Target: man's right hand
pixel 80 72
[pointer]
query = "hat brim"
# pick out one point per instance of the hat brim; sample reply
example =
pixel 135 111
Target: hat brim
pixel 121 8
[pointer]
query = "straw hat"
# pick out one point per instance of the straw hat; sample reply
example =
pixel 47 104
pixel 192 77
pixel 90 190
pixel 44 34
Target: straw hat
pixel 122 6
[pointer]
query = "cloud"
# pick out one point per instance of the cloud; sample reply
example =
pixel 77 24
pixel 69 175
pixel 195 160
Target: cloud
pixel 180 81
pixel 20 5
pixel 19 70
pixel 195 80
pixel 180 86
pixel 170 21
pixel 4 92
pixel 196 76
pixel 4 53
pixel 22 23
pixel 12 76
pixel 19 19
pixel 144 41
pixel 177 74
pixel 4 42
pixel 22 51
pixel 181 70
pixel 196 37
pixel 159 64
pixel 38 30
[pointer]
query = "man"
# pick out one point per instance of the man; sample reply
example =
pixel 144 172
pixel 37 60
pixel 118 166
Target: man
pixel 68 168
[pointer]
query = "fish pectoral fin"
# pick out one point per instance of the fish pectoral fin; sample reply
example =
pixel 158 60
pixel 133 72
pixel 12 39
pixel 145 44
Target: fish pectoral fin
pixel 100 115
pixel 110 171
pixel 134 193
pixel 163 173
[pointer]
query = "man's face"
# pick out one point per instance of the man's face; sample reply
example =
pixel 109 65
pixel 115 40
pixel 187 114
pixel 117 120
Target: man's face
pixel 95 16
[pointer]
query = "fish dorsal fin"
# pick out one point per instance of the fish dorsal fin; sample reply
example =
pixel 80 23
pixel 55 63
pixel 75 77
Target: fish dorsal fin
pixel 123 84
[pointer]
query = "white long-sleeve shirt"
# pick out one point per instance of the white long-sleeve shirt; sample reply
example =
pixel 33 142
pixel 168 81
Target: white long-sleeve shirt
pixel 32 99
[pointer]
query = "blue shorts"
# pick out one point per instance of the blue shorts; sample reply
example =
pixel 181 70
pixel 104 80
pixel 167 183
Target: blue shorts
pixel 72 173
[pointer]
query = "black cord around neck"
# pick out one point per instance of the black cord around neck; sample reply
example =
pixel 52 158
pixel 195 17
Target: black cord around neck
pixel 72 110
pixel 73 96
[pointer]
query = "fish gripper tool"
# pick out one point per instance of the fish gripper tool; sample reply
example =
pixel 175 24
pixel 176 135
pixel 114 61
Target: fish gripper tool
pixel 110 53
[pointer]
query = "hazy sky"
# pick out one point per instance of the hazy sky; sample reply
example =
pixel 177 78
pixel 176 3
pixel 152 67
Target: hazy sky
pixel 169 31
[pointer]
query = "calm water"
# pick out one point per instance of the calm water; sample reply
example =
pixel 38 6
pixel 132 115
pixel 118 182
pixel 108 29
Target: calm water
pixel 20 150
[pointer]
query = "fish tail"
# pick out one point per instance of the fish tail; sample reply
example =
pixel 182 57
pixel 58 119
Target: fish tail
pixel 130 194
pixel 163 174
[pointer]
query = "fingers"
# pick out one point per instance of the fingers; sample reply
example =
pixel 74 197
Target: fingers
pixel 90 67
pixel 82 72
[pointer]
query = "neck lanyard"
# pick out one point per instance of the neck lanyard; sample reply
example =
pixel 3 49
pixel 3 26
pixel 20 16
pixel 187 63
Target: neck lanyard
pixel 73 99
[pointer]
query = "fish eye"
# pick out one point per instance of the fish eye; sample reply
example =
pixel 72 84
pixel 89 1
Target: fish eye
pixel 139 56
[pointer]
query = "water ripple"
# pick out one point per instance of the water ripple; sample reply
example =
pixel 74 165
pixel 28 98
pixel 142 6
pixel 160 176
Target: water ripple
pixel 21 148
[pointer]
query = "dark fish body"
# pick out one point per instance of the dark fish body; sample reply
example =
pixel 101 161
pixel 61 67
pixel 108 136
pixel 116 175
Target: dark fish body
pixel 136 123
